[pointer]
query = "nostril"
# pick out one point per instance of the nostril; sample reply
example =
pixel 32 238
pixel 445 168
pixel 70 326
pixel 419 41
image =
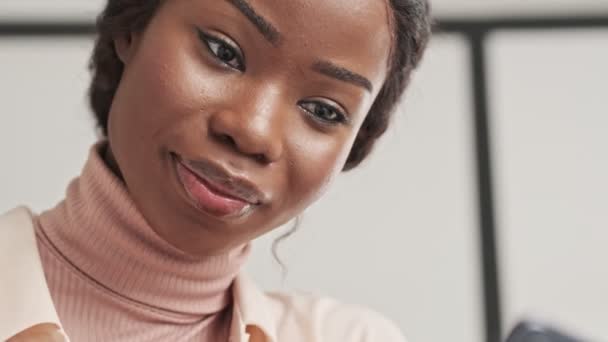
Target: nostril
pixel 229 140
pixel 260 158
pixel 225 138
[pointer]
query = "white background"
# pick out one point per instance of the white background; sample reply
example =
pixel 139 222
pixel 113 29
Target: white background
pixel 60 9
pixel 419 266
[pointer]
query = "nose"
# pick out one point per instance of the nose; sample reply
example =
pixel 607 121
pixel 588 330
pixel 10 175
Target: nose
pixel 252 126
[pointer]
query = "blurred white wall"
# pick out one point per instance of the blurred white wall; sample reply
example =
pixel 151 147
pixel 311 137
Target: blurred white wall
pixel 517 8
pixel 60 9
pixel 550 119
pixel 56 10
pixel 45 126
pixel 420 266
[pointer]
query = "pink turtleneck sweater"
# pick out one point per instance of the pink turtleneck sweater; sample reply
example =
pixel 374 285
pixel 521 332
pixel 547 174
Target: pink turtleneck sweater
pixel 112 278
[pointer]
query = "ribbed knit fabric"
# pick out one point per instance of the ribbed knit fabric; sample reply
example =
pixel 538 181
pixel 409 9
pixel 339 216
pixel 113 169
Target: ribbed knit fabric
pixel 112 278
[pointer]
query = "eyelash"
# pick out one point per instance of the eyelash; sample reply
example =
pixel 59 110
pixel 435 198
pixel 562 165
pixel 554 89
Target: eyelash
pixel 209 40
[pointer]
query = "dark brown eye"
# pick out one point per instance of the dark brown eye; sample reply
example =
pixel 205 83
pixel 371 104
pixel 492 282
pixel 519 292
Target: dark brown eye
pixel 223 51
pixel 324 112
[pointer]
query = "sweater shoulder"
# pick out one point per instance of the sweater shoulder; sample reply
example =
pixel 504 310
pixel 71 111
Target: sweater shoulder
pixel 323 318
pixel 24 298
pixel 15 218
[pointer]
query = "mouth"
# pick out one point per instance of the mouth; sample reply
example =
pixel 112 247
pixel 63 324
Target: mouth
pixel 214 190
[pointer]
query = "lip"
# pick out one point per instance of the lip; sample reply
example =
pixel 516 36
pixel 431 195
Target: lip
pixel 215 190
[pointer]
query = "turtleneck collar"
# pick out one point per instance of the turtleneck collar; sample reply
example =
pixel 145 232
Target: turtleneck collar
pixel 99 230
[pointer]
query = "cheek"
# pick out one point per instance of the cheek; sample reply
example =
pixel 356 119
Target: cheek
pixel 316 163
pixel 162 87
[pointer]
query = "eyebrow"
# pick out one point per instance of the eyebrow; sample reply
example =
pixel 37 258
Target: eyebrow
pixel 330 69
pixel 264 26
pixel 274 37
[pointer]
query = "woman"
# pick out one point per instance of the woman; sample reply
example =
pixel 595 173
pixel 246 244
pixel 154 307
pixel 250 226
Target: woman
pixel 222 120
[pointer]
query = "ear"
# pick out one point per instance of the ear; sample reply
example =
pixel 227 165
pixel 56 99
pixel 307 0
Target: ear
pixel 125 46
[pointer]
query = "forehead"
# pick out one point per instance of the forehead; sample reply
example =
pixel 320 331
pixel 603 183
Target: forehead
pixel 353 33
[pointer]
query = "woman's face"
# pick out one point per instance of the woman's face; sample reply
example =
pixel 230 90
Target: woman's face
pixel 233 116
